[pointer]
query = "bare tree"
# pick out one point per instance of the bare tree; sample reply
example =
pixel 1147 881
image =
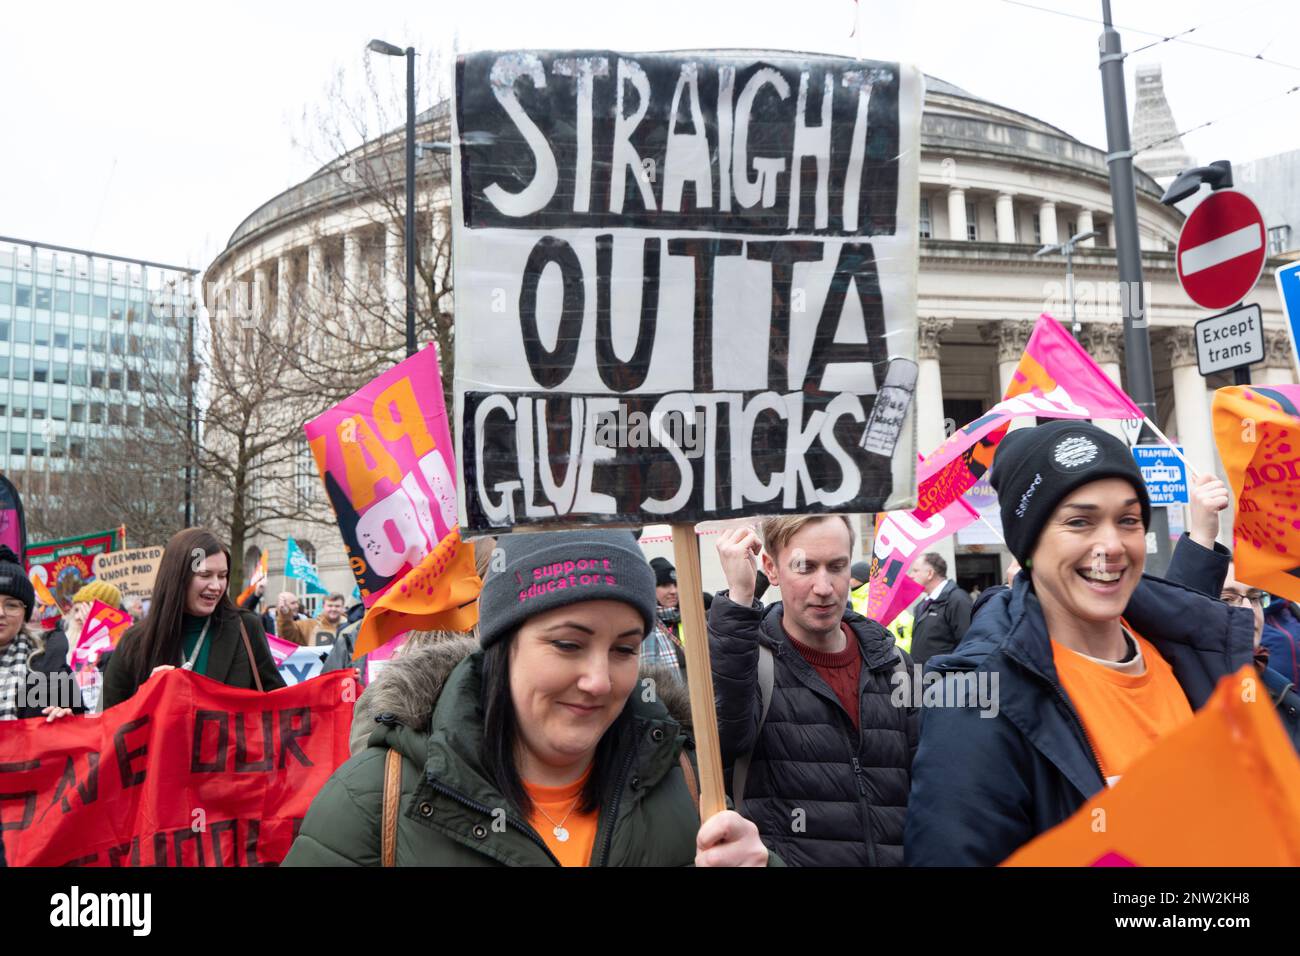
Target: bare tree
pixel 358 135
pixel 269 368
pixel 249 449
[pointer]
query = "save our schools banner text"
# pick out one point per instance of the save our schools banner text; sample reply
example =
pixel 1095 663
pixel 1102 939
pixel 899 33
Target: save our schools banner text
pixel 188 772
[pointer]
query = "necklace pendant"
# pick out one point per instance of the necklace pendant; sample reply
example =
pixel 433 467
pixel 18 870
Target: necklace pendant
pixel 561 834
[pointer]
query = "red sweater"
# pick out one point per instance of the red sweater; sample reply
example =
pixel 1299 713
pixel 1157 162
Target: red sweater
pixel 840 671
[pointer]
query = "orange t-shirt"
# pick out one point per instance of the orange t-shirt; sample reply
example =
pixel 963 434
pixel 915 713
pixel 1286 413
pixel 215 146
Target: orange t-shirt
pixel 581 827
pixel 1124 714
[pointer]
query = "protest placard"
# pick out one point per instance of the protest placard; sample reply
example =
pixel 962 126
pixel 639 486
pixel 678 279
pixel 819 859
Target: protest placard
pixel 131 572
pixel 385 455
pixel 687 286
pixel 1255 433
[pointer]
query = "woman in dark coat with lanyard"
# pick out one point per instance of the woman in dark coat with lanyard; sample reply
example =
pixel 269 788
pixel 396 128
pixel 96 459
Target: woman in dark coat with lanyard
pixel 192 624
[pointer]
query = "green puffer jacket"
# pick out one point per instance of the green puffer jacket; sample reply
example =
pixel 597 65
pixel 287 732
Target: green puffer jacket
pixel 426 706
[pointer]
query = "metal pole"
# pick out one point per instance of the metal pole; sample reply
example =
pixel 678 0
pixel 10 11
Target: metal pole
pixel 1128 253
pixel 1069 288
pixel 189 417
pixel 410 200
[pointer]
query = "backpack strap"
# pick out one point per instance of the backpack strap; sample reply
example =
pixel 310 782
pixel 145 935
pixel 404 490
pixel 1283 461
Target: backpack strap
pixel 766 680
pixel 392 796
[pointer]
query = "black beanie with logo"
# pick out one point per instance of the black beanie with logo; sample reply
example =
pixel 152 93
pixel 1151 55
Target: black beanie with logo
pixel 1034 469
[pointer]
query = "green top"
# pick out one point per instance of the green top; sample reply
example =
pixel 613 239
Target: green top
pixel 191 628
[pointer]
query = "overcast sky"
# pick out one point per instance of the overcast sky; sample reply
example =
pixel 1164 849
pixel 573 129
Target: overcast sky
pixel 152 129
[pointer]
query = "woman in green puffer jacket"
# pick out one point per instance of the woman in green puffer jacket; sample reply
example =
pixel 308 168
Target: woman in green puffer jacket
pixel 542 747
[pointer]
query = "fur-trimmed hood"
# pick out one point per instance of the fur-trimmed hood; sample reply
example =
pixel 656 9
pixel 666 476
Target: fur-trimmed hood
pixel 409 687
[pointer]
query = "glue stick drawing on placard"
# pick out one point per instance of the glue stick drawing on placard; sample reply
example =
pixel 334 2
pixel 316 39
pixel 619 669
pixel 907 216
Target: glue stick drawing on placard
pixel 892 402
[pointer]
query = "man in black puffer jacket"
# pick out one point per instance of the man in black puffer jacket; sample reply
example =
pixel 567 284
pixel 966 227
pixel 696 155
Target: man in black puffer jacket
pixel 829 763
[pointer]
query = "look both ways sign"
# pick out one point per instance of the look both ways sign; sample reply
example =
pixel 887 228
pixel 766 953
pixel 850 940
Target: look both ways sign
pixel 687 286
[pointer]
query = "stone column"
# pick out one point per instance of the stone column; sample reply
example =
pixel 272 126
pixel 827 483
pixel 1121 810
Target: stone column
pixel 261 294
pixel 284 287
pixel 930 432
pixel 1006 217
pixel 353 273
pixel 394 271
pixel 1047 222
pixel 1279 360
pixel 957 213
pixel 315 275
pixel 1085 225
pixel 1110 233
pixel 1191 404
pixel 1105 343
pixel 1011 336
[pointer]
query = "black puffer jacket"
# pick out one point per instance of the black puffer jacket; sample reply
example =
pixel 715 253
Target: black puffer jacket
pixel 821 794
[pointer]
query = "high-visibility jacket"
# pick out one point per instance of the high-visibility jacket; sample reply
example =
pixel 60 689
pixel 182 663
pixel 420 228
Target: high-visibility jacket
pixel 900 627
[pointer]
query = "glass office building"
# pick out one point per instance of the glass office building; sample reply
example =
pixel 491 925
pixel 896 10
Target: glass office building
pixel 82 335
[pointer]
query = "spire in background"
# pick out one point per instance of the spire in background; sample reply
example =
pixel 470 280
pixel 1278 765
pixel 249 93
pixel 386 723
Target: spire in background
pixel 1153 122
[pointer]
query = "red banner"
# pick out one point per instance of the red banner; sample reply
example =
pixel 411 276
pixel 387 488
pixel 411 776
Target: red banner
pixel 188 772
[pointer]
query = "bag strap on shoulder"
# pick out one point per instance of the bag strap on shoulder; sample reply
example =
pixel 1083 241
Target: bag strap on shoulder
pixel 692 782
pixel 248 647
pixel 392 797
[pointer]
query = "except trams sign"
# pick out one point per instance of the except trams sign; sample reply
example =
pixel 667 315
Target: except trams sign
pixel 1230 340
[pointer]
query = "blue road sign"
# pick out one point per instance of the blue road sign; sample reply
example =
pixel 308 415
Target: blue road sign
pixel 1288 289
pixel 1165 475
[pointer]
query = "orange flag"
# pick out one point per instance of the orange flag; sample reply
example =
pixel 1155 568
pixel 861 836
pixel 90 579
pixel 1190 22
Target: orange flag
pixel 437 594
pixel 254 579
pixel 1257 431
pixel 43 593
pixel 1222 790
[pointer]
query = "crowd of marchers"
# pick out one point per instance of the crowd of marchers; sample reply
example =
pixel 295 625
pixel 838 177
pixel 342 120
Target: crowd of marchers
pixel 559 732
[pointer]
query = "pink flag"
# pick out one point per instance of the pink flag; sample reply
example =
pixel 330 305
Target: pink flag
pixel 1037 388
pixel 382 656
pixel 901 538
pixel 280 648
pixel 906 594
pixel 104 627
pixel 386 457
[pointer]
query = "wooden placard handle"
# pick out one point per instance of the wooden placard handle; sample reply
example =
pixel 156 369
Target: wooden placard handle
pixel 699 672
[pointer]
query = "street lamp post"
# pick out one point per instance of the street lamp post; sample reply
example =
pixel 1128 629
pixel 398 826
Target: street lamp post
pixel 1068 248
pixel 389 49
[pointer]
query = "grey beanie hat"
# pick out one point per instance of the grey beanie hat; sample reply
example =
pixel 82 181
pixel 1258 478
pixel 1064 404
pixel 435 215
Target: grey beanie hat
pixel 551 569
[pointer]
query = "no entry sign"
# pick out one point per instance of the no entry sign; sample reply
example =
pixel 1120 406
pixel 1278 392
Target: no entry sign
pixel 1221 250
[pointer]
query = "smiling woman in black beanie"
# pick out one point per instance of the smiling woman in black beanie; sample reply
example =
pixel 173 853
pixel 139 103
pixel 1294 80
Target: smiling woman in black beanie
pixel 541 748
pixel 1082 665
